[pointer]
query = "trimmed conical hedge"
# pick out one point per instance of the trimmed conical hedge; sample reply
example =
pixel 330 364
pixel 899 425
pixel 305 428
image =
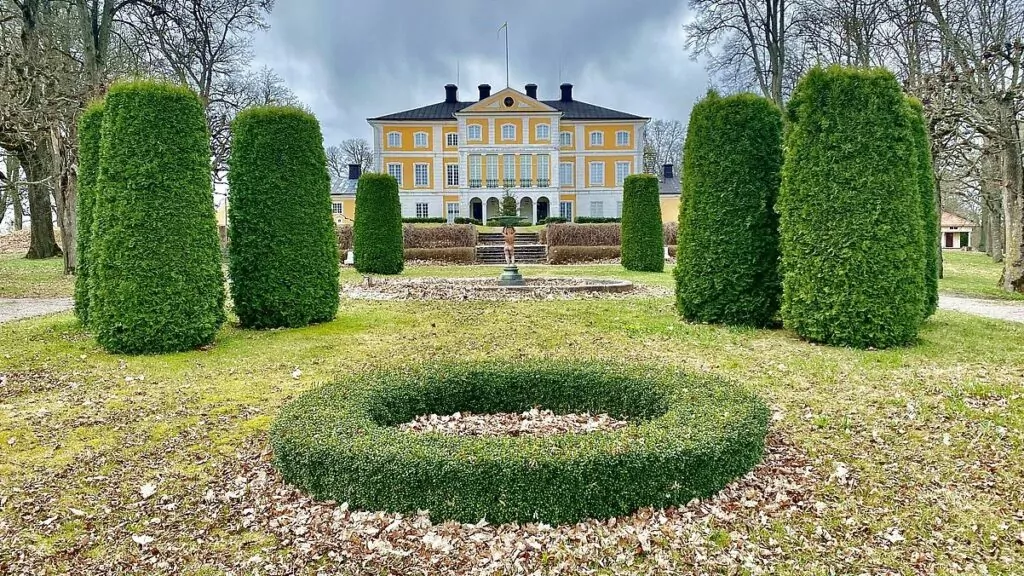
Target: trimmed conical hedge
pixel 643 242
pixel 727 268
pixel 155 275
pixel 283 259
pixel 850 216
pixel 929 206
pixel 377 232
pixel 90 127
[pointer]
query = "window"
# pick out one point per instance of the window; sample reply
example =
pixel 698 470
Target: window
pixel 565 139
pixel 453 174
pixel 422 210
pixel 543 132
pixel 543 167
pixel 508 131
pixel 475 132
pixel 453 211
pixel 337 208
pixel 492 170
pixel 565 210
pixel 621 171
pixel 396 171
pixel 474 171
pixel 509 172
pixel 597 209
pixel 622 138
pixel 618 209
pixel 565 173
pixel 452 139
pixel 597 138
pixel 419 139
pixel 597 173
pixel 420 175
pixel 394 140
pixel 525 168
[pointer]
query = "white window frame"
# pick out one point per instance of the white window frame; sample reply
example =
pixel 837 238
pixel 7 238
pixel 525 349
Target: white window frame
pixel 492 167
pixel 525 166
pixel 565 209
pixel 426 210
pixel 451 139
pixel 618 209
pixel 543 167
pixel 475 168
pixel 565 139
pixel 452 211
pixel 597 138
pixel 596 181
pixel 562 180
pixel 622 138
pixel 597 209
pixel 511 138
pixel 337 208
pixel 416 175
pixel 397 176
pixel 397 143
pixel 420 136
pixel 452 174
pixel 508 171
pixel 546 137
pixel 479 132
pixel 620 175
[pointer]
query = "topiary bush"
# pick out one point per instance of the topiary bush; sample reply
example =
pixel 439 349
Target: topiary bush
pixel 577 254
pixel 583 235
pixel 377 233
pixel 688 436
pixel 596 220
pixel 643 248
pixel 447 236
pixel 154 262
pixel 284 251
pixel 850 217
pixel 925 178
pixel 728 237
pixel 90 127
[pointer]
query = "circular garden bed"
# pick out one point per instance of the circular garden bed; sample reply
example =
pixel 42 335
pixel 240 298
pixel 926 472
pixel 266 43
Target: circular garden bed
pixel 687 436
pixel 543 288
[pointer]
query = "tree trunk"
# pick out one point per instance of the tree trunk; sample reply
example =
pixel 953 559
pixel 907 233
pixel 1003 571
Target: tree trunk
pixel 38 172
pixel 992 201
pixel 13 169
pixel 1013 211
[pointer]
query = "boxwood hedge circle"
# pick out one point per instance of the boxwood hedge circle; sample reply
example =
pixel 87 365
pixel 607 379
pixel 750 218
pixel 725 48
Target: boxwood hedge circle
pixel 688 436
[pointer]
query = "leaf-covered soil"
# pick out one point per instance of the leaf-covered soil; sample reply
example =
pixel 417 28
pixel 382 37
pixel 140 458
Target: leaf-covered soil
pixel 488 288
pixel 534 422
pixel 905 461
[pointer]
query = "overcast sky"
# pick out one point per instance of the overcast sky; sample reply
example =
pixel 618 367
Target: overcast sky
pixel 354 59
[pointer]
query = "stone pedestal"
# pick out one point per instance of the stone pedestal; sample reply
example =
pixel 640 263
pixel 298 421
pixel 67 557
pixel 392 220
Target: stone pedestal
pixel 510 276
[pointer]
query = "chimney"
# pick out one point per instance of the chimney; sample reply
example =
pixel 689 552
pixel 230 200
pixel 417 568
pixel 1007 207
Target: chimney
pixel 354 170
pixel 566 92
pixel 531 91
pixel 485 91
pixel 667 171
pixel 451 93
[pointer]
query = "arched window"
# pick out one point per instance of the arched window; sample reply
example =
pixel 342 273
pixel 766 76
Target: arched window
pixel 543 132
pixel 508 131
pixel 474 132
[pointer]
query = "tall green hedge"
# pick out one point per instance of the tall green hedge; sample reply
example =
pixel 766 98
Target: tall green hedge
pixel 850 216
pixel 90 126
pixel 929 206
pixel 155 275
pixel 727 268
pixel 377 233
pixel 643 244
pixel 284 254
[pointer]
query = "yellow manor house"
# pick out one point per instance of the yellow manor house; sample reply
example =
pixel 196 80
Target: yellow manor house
pixel 455 159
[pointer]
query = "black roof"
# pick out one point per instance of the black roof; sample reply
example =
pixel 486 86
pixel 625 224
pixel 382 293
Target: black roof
pixel 571 110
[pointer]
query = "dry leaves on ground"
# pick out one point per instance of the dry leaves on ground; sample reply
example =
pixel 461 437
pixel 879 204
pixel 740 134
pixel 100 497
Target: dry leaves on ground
pixel 534 422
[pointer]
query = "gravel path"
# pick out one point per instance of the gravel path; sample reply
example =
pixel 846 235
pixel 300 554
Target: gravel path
pixel 999 310
pixel 12 309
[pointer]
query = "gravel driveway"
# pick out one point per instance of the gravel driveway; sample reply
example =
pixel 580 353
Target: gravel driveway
pixel 1011 312
pixel 12 309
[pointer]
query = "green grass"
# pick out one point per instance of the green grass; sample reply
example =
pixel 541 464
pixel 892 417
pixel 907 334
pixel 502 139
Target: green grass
pixel 21 278
pixel 973 274
pixel 931 433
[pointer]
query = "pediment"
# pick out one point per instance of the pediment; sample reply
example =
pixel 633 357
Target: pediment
pixel 497 103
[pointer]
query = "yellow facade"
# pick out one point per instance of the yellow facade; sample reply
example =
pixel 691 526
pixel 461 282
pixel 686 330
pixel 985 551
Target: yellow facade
pixel 670 208
pixel 407 138
pixel 609 169
pixel 608 136
pixel 408 170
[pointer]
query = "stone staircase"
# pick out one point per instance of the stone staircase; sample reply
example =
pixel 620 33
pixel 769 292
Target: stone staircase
pixel 491 249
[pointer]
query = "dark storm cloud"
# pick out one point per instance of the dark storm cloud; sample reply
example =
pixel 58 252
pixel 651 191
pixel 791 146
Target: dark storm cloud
pixel 350 60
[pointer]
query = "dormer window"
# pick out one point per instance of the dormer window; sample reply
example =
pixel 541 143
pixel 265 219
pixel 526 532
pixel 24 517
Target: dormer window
pixel 508 131
pixel 420 139
pixel 394 139
pixel 474 132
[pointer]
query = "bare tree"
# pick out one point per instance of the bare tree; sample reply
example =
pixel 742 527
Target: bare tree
pixel 665 139
pixel 350 151
pixel 745 42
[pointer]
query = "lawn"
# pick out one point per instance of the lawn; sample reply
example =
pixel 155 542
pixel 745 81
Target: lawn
pixel 973 274
pixel 904 461
pixel 21 278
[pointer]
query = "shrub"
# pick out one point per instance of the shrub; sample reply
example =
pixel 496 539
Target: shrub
pixel 643 249
pixel 378 227
pixel 90 126
pixel 447 255
pixel 344 234
pixel 596 220
pixel 284 254
pixel 925 178
pixel 155 271
pixel 850 217
pixel 447 236
pixel 423 221
pixel 575 254
pixel 727 267
pixel 553 220
pixel 472 221
pixel 583 235
pixel 689 435
pixel 670 233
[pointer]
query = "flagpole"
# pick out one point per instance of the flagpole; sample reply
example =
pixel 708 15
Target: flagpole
pixel 505 27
